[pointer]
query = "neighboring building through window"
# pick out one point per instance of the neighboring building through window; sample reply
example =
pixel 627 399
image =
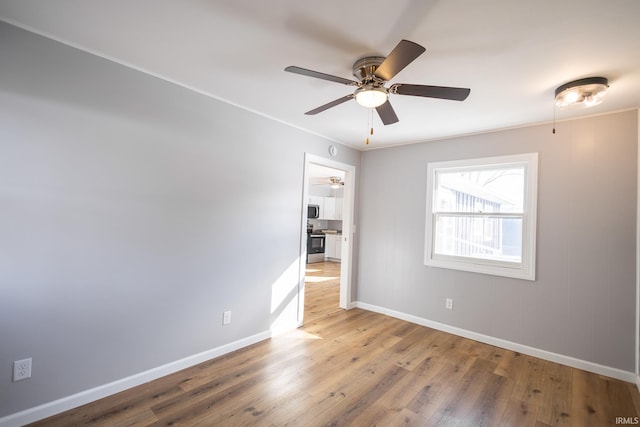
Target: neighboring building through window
pixel 481 215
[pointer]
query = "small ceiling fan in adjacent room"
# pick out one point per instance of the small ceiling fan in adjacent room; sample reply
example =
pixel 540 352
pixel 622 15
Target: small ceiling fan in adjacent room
pixel 332 181
pixel 373 72
pixel 336 182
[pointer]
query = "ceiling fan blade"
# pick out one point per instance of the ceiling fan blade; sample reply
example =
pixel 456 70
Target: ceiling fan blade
pixel 402 55
pixel 319 75
pixel 387 114
pixel 442 92
pixel 329 105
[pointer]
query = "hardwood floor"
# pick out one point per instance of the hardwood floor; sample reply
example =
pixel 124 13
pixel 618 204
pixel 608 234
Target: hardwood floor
pixel 358 368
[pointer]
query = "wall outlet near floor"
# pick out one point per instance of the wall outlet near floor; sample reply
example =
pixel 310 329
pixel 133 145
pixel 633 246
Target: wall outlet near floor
pixel 226 318
pixel 21 369
pixel 448 303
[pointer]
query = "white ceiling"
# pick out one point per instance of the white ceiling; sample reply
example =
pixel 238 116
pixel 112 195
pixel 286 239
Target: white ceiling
pixel 511 53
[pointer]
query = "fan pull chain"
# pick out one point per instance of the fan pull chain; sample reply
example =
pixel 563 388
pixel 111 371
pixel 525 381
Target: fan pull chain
pixel 554 119
pixel 370 125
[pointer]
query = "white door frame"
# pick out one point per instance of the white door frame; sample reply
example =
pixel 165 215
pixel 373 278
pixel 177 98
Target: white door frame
pixel 348 230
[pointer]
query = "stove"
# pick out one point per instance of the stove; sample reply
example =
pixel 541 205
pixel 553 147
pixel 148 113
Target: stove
pixel 315 246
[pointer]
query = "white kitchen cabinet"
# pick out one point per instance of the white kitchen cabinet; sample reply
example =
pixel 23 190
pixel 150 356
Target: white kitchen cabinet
pixel 338 213
pixel 329 247
pixel 332 208
pixel 329 208
pixel 333 247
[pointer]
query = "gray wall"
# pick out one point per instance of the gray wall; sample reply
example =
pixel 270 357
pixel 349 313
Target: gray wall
pixel 583 301
pixel 133 212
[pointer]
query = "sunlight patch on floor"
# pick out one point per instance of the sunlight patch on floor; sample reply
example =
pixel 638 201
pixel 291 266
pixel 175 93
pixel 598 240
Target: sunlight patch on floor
pixel 299 334
pixel 319 279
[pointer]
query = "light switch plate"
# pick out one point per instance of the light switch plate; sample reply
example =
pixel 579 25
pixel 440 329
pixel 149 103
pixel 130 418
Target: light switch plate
pixel 448 303
pixel 226 318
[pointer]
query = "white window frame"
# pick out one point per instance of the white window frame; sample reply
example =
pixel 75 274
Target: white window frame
pixel 527 267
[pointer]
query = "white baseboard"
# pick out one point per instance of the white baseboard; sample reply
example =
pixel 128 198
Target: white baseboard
pixel 57 406
pixel 531 351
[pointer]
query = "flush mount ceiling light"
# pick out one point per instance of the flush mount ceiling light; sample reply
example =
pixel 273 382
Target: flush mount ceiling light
pixel 584 92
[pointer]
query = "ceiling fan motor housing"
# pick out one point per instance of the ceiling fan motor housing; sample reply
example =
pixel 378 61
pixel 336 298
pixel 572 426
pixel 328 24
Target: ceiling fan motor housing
pixel 364 68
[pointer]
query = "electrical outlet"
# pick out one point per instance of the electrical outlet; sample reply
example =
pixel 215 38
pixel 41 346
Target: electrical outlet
pixel 226 318
pixel 448 303
pixel 21 369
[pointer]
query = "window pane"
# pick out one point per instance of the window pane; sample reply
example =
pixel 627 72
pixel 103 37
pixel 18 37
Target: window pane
pixel 475 215
pixel 480 190
pixel 491 238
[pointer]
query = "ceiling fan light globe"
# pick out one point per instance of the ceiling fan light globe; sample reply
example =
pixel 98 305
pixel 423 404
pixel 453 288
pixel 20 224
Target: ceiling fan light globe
pixel 371 97
pixel 336 181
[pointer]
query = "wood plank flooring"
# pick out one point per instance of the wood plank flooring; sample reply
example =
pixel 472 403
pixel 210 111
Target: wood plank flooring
pixel 358 368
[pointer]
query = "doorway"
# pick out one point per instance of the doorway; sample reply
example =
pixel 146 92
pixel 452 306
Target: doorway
pixel 338 222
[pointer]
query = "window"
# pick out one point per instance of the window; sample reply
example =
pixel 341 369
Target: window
pixel 481 215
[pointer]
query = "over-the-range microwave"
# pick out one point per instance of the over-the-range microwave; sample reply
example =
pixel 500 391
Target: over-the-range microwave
pixel 313 211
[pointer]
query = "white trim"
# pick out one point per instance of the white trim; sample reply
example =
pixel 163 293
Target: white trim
pixel 509 345
pixel 524 270
pixel 73 401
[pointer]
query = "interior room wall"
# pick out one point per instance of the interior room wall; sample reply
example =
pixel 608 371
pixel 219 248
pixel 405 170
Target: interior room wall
pixel 582 303
pixel 638 262
pixel 134 212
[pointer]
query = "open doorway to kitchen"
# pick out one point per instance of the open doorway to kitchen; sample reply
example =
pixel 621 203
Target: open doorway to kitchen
pixel 327 232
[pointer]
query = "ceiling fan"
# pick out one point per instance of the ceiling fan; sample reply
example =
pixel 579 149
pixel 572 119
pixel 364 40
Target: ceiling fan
pixel 336 181
pixel 333 181
pixel 373 72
